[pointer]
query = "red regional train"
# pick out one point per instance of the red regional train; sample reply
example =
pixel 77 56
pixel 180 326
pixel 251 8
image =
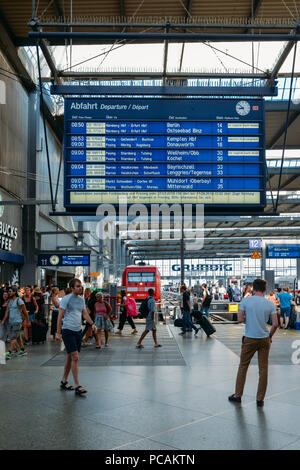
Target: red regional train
pixel 138 279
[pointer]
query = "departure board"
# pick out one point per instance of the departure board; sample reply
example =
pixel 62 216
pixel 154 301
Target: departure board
pixel 283 251
pixel 209 151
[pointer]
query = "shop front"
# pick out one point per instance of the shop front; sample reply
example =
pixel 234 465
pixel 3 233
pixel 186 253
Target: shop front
pixel 11 257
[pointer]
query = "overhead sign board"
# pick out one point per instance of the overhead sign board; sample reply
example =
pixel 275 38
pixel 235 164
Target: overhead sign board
pixel 209 151
pixel 54 259
pixel 283 251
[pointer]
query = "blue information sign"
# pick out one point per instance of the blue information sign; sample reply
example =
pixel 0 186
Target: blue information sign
pixel 283 251
pixel 164 151
pixel 54 260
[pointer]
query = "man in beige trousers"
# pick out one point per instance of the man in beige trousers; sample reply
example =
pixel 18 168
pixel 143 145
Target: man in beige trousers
pixel 255 312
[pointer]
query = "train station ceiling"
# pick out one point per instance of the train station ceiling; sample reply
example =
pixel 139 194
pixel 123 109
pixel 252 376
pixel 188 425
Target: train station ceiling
pixel 212 16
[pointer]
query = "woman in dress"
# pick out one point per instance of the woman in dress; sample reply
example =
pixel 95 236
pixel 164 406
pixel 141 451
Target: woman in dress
pixel 102 320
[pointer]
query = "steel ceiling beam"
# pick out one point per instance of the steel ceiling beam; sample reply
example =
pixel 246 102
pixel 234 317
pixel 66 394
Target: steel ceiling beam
pixel 162 25
pixel 156 75
pixel 46 52
pixel 188 14
pixel 177 37
pixel 281 59
pixel 162 90
pixel 7 45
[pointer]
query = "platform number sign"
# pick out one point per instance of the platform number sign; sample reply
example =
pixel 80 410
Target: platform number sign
pixel 255 244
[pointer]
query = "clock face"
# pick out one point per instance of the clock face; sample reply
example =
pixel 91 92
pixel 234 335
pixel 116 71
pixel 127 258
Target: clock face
pixel 242 108
pixel 54 259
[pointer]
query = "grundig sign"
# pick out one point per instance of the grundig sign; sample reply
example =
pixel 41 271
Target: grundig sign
pixel 203 267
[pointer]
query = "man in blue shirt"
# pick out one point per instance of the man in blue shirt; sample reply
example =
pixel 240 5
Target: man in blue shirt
pixel 255 312
pixel 150 322
pixel 285 300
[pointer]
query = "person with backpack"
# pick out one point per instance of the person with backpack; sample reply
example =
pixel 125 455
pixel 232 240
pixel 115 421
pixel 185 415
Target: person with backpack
pixel 102 320
pixel 128 310
pixel 15 312
pixel 230 293
pixel 147 310
pixel 206 301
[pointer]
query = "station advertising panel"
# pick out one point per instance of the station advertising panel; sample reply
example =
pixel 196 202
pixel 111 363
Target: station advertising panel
pixel 209 151
pixel 283 251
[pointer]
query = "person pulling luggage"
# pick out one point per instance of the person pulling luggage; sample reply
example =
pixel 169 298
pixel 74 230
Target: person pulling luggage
pixel 186 312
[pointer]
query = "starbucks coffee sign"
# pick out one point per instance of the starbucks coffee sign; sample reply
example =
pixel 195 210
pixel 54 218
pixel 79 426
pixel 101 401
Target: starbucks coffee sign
pixel 10 226
pixel 8 233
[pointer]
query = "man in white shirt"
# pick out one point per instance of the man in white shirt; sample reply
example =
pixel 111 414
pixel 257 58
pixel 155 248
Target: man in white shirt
pixel 71 309
pixel 254 312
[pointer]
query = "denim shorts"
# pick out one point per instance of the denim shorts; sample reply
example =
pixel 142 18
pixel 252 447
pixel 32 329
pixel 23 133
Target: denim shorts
pixel 285 312
pixel 14 331
pixel 72 340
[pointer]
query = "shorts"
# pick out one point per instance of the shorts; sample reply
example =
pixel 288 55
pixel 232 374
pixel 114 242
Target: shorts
pixel 102 324
pixel 72 340
pixel 31 317
pixel 285 312
pixel 14 331
pixel 150 324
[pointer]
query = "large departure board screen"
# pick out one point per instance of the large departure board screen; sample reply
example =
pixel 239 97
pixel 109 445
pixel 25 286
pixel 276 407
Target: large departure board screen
pixel 209 151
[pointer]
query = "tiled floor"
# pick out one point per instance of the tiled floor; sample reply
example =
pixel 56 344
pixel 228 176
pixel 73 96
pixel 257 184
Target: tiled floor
pixel 122 351
pixel 143 406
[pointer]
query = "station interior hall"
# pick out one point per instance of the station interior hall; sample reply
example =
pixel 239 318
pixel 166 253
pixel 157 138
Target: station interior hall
pixel 149 145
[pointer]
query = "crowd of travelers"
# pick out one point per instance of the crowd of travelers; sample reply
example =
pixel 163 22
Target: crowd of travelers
pixel 78 316
pixel 27 312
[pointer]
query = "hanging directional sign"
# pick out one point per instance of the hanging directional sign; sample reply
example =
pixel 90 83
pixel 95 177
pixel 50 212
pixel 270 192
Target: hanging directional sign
pixel 63 259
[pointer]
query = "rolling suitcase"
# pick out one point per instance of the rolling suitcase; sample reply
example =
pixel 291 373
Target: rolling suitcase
pixel 39 332
pixel 293 318
pixel 197 315
pixel 207 327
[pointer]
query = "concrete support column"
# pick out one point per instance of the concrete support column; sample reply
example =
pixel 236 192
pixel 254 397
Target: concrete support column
pixel 28 273
pixel 119 269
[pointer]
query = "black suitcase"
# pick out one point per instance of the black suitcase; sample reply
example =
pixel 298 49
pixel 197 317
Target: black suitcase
pixel 178 322
pixel 39 332
pixel 207 327
pixel 197 315
pixel 293 318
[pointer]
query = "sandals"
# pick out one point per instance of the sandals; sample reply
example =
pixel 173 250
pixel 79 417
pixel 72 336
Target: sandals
pixel 97 347
pixel 63 386
pixel 80 390
pixel 157 346
pixel 139 346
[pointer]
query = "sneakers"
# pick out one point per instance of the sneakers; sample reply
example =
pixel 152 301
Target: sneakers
pixel 235 399
pixel 22 352
pixel 8 355
pixel 182 333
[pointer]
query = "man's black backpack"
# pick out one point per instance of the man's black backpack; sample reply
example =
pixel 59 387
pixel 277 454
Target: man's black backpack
pixel 144 310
